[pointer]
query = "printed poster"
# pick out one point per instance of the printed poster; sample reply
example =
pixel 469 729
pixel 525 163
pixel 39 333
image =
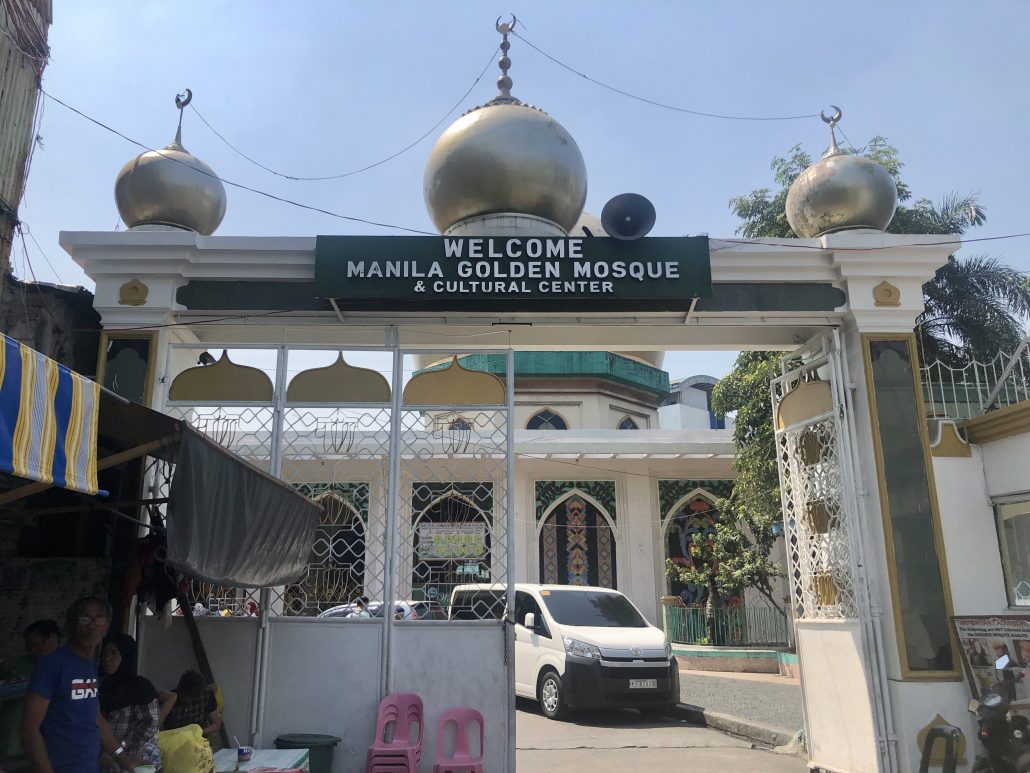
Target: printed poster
pixel 983 640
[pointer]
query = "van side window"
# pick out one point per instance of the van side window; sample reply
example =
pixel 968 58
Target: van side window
pixel 526 604
pixel 478 605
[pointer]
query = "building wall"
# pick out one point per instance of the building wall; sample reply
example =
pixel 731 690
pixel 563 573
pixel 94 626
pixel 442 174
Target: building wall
pixel 56 321
pixel 596 408
pixel 1005 466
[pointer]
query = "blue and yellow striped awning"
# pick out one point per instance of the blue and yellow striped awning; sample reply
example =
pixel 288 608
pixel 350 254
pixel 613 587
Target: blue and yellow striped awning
pixel 48 420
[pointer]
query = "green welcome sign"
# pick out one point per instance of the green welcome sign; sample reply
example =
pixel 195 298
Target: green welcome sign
pixel 441 273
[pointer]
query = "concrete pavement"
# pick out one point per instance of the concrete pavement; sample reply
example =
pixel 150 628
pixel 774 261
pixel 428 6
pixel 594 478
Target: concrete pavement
pixel 762 707
pixel 618 741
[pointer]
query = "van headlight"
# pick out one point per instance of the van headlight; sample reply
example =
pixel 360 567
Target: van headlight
pixel 668 651
pixel 580 648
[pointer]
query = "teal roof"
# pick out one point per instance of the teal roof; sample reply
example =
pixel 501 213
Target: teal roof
pixel 576 364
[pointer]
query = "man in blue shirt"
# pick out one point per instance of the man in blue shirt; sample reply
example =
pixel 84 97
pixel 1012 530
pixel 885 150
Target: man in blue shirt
pixel 63 730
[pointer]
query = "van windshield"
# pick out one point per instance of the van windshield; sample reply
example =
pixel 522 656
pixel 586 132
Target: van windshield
pixel 592 608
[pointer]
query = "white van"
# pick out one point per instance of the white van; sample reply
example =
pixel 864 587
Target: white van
pixel 580 647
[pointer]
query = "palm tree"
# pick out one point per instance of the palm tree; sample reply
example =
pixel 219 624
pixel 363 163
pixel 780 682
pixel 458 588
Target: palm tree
pixel 975 307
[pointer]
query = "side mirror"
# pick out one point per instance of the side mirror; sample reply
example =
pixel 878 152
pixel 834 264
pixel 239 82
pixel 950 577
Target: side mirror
pixel 530 621
pixel 1001 662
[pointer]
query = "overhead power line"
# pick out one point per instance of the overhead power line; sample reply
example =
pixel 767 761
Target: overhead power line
pixel 340 176
pixel 259 192
pixel 656 103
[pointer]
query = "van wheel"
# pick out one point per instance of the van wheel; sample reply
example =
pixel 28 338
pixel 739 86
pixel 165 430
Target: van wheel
pixel 550 696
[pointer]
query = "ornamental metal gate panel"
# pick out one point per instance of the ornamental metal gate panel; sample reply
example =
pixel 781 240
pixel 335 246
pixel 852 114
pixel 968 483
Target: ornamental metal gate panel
pixel 413 469
pixel 814 423
pixel 816 486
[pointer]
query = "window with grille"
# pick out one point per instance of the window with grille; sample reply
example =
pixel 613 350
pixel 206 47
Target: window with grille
pixel 628 423
pixel 1014 540
pixel 546 419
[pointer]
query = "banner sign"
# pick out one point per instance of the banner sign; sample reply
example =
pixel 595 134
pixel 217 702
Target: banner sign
pixel 983 640
pixel 443 541
pixel 441 273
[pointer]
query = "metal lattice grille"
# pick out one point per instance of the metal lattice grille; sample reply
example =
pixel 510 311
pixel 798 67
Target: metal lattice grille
pixel 451 489
pixel 338 457
pixel 453 511
pixel 816 521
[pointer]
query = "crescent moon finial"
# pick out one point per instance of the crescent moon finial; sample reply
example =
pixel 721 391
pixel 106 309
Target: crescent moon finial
pixel 181 100
pixel 834 119
pixel 505 27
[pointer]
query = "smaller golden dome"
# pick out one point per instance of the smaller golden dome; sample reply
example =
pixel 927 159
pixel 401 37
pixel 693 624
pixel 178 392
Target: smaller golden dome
pixel 171 187
pixel 841 192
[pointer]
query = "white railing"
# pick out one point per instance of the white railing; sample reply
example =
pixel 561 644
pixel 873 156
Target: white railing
pixel 979 387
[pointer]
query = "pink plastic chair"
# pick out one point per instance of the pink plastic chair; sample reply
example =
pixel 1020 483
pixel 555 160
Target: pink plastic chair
pixel 402 753
pixel 462 760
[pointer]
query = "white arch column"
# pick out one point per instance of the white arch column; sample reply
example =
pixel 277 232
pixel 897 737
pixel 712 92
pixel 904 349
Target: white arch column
pixel 883 275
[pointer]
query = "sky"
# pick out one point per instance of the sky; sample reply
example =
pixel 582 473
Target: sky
pixel 322 88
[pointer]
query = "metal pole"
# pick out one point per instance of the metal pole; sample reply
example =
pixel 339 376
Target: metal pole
pixel 393 483
pixel 262 652
pixel 1009 367
pixel 508 628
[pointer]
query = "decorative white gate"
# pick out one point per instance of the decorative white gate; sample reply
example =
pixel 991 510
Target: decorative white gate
pixel 824 534
pixel 414 475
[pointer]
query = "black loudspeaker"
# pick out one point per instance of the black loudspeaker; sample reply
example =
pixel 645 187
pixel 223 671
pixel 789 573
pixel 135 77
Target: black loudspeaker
pixel 628 216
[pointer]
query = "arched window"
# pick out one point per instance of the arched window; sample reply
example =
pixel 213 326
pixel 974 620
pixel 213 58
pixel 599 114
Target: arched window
pixel 546 419
pixel 628 423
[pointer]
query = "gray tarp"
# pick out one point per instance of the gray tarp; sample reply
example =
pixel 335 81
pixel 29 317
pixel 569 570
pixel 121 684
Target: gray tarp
pixel 231 524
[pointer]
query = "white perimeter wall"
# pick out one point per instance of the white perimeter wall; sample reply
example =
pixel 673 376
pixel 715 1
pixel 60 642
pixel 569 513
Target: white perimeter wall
pixel 323 676
pixel 231 644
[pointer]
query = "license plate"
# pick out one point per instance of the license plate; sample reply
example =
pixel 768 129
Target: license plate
pixel 643 684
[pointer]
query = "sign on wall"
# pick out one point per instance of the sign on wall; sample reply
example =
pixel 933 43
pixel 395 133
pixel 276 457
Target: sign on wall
pixel 451 541
pixel 440 273
pixel 983 640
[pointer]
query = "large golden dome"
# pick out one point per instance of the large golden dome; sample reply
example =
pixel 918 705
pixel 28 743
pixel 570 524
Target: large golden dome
pixel 505 156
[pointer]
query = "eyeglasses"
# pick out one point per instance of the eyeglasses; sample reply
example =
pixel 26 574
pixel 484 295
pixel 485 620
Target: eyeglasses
pixel 95 619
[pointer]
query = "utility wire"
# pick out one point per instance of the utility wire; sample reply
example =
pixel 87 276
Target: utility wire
pixel 796 245
pixel 655 103
pixel 39 289
pixel 392 156
pixel 25 229
pixel 230 182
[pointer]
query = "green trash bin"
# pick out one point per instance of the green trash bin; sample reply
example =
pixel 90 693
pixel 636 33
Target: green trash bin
pixel 320 758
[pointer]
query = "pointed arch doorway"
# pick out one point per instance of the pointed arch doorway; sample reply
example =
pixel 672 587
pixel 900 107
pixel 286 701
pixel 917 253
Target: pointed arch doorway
pixel 577 544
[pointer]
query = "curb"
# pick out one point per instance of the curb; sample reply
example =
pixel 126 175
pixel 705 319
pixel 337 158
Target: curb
pixel 728 723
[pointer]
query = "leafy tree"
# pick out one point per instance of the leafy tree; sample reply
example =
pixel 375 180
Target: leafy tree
pixel 737 555
pixel 974 307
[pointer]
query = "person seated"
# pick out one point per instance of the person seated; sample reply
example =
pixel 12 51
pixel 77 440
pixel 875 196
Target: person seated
pixel 362 607
pixel 130 703
pixel 194 705
pixel 41 638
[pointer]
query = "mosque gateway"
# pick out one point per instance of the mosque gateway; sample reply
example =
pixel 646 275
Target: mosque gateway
pixel 488 405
